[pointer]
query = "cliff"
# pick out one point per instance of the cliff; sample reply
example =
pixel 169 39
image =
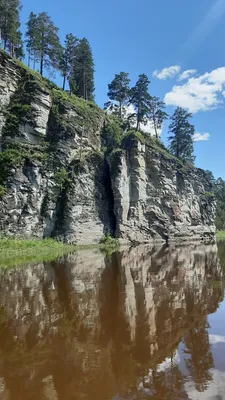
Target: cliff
pixel 56 180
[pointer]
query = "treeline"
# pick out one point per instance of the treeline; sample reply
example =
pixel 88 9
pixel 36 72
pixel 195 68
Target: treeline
pixel 147 108
pixel 73 59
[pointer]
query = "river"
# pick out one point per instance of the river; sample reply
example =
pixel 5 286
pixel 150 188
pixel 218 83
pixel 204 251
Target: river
pixel 142 323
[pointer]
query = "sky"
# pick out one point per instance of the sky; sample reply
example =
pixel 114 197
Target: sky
pixel 179 45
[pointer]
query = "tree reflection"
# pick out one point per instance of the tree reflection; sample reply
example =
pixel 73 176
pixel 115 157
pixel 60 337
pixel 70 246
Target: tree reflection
pixel 199 359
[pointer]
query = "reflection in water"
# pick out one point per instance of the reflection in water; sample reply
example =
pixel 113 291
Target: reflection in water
pixel 130 327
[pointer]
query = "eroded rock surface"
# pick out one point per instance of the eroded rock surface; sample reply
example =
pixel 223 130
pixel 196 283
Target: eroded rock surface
pixel 55 180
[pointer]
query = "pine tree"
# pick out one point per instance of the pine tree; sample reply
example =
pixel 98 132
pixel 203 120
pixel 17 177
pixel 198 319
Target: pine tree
pixel 82 76
pixel 9 25
pixel 139 98
pixel 119 90
pixel 31 38
pixel 156 113
pixel 182 132
pixel 43 41
pixel 68 57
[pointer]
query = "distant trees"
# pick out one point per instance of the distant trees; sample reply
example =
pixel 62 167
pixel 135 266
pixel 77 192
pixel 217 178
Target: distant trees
pixel 10 34
pixel 181 135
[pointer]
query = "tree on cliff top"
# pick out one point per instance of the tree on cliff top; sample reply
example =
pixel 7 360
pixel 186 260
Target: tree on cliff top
pixel 156 113
pixel 140 98
pixel 9 27
pixel 82 76
pixel 181 135
pixel 119 90
pixel 31 39
pixel 43 40
pixel 68 56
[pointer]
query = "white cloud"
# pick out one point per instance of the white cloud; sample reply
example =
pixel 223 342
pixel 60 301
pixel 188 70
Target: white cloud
pixel 199 94
pixel 186 74
pixel 214 339
pixel 199 137
pixel 168 72
pixel 167 362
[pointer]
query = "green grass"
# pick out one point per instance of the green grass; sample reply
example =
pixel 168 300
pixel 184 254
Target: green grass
pixel 220 234
pixel 15 252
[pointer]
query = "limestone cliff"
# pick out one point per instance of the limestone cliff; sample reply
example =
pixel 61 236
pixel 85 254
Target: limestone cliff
pixel 56 181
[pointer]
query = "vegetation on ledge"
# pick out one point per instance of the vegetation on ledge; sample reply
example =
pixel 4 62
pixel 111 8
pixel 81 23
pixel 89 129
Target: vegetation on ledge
pixel 14 252
pixel 20 251
pixel 220 235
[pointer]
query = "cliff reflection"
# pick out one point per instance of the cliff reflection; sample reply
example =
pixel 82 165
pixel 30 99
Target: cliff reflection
pixel 89 327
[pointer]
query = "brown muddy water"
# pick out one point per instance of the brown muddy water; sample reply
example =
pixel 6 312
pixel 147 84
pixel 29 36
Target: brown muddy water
pixel 144 323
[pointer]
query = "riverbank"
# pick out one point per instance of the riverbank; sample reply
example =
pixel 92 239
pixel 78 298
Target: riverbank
pixel 20 251
pixel 220 235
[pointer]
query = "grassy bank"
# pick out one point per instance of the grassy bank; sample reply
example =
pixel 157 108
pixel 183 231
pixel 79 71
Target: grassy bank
pixel 18 252
pixel 220 235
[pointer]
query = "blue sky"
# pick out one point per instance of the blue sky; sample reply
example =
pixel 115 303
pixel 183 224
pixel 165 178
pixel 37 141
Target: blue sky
pixel 149 36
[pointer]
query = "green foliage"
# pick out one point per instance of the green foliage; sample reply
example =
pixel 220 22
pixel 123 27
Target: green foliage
pixel 62 178
pixel 68 56
pixel 139 98
pixel 209 194
pixel 20 110
pixel 14 157
pixel 43 41
pixel 181 138
pixel 119 90
pixel 131 137
pixel 21 251
pixel 8 159
pixel 9 27
pixel 219 190
pixel 108 244
pixel 216 190
pixel 82 75
pixel 31 39
pixel 111 134
pixel 220 235
pixel 88 113
pixel 2 190
pixel 156 113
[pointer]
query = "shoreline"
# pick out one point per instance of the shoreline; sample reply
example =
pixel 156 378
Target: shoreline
pixel 16 251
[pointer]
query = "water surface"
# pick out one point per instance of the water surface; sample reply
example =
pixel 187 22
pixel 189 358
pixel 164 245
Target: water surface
pixel 145 323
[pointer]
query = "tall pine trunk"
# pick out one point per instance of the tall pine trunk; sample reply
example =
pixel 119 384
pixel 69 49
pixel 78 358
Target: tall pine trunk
pixel 120 112
pixel 29 58
pixel 64 82
pixel 41 65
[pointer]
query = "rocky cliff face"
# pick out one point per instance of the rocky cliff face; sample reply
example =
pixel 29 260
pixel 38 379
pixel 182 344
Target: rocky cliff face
pixel 55 180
